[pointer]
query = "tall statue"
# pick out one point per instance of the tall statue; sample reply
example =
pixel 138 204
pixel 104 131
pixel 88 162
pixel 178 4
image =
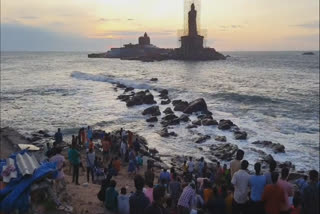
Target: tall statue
pixel 192 21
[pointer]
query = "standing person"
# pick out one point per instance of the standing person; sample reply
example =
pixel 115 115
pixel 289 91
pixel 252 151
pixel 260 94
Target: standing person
pixel 156 207
pixel 200 167
pixel 123 150
pixel 240 180
pixel 73 140
pixel 58 138
pixel 207 191
pixel 235 165
pixel 190 165
pixel 89 133
pixel 287 189
pixel 123 202
pixel 106 144
pixel 136 146
pixel 165 176
pixel 148 191
pixel 273 196
pixel 138 201
pixel 149 175
pixel 257 183
pixel 130 139
pixel 216 204
pixel 116 164
pixel 174 190
pixel 186 199
pixel 91 156
pixel 111 198
pixel 310 195
pixel 74 158
pixel 272 168
pixel 83 136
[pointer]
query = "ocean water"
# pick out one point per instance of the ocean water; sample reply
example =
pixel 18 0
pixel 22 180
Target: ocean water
pixel 271 95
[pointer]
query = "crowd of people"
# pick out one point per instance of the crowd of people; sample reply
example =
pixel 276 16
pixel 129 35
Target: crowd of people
pixel 198 189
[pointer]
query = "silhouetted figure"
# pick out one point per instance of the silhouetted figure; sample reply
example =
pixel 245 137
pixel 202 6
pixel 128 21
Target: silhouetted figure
pixel 192 21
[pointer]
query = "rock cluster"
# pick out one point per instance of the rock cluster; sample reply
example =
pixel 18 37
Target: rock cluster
pixel 139 98
pixel 276 147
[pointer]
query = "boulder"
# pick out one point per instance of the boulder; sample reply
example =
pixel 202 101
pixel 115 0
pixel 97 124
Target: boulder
pixel 180 105
pixel 124 97
pixel 204 116
pixel 165 102
pixel 224 152
pixel 202 139
pixel 170 117
pixel 170 122
pixel 195 106
pixel 196 122
pixel 240 135
pixel 276 147
pixel 120 85
pixel 221 138
pixel 225 124
pixel 164 133
pixel 152 119
pixel 168 111
pixel 209 122
pixel 153 110
pixel 184 118
pixel 154 79
pixel 128 89
pixel 191 126
pixel 139 98
pixel 164 94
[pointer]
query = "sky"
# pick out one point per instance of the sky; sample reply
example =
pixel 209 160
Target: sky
pixel 97 25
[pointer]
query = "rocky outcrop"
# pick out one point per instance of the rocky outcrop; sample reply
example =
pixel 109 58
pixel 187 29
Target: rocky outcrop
pixel 191 126
pixel 209 122
pixel 198 105
pixel 184 118
pixel 164 94
pixel 196 122
pixel 170 119
pixel 225 124
pixel 276 147
pixel 165 102
pixel 180 105
pixel 154 79
pixel 153 110
pixel 168 111
pixel 240 135
pixel 224 152
pixel 139 98
pixel 152 119
pixel 221 138
pixel 202 139
pixel 165 133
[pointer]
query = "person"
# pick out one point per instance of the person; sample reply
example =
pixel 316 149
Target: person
pixel 235 165
pixel 185 168
pixel 83 136
pixel 216 204
pixel 123 150
pixel 123 202
pixel 207 191
pixel 273 196
pixel 174 189
pixel 116 164
pixel 138 201
pixel 257 183
pixel 272 168
pixel 73 140
pixel 136 146
pixel 228 200
pixel 240 181
pixel 106 144
pixel 59 181
pixel 156 207
pixel 91 156
pixel 89 133
pixel 218 173
pixel 111 198
pixel 310 195
pixel 165 176
pixel 287 189
pixel 302 183
pixel 132 167
pixel 130 139
pixel 58 138
pixel 190 165
pixel 149 175
pixel 74 158
pixel 200 167
pixel 148 191
pixel 186 199
pixel 296 209
pixel 139 161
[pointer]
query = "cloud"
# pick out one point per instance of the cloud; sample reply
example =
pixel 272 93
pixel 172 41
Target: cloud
pixel 311 25
pixel 227 27
pixel 29 17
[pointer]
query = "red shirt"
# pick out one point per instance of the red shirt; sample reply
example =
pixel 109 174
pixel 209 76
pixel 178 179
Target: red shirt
pixel 273 197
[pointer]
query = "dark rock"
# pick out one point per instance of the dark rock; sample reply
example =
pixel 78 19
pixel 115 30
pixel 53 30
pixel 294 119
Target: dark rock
pixel 209 122
pixel 120 85
pixel 240 135
pixel 224 152
pixel 128 89
pixel 170 122
pixel 258 151
pixel 196 122
pixel 205 116
pixel 191 126
pixel 148 99
pixel 164 94
pixel 165 102
pixel 152 119
pixel 170 117
pixel 195 106
pixel 286 164
pixel 151 125
pixel 153 110
pixel 154 79
pixel 225 124
pixel 202 139
pixel 221 138
pixel 184 118
pixel 164 133
pixel 139 98
pixel 180 105
pixel 268 158
pixel 276 147
pixel 124 97
pixel 168 111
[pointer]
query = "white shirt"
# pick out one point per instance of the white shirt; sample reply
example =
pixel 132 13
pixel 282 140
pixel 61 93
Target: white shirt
pixel 190 166
pixel 240 180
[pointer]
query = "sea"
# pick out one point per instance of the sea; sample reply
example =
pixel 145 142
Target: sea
pixel 273 96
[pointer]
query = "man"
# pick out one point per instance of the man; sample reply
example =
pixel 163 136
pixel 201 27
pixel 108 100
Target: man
pixel 111 198
pixel 59 159
pixel 165 176
pixel 158 199
pixel 149 175
pixel 200 167
pixel 287 189
pixel 236 164
pixel 257 183
pixel 310 195
pixel 138 201
pixel 190 166
pixel 58 137
pixel 74 158
pixel 272 168
pixel 240 181
pixel 273 196
pixel 174 189
pixel 106 144
pixel 186 199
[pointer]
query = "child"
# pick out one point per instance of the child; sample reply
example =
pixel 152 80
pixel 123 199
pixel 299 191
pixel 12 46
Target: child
pixel 123 202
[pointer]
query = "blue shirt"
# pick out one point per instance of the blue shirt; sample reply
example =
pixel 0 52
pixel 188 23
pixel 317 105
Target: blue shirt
pixel 165 176
pixel 257 183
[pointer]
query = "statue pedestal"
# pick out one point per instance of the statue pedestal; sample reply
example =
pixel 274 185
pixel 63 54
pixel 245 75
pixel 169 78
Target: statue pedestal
pixel 191 46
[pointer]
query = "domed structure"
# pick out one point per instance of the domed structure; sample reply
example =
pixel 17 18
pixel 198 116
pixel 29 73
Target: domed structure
pixel 144 40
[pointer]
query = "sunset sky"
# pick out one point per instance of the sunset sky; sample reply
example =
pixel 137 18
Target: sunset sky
pixel 97 25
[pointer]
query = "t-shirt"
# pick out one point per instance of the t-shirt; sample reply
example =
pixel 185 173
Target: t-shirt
pixel 240 180
pixel 175 189
pixel 149 193
pixel 59 159
pixel 116 164
pixel 123 204
pixel 190 165
pixel 310 199
pixel 91 156
pixel 74 156
pixel 165 176
pixel 235 165
pixel 207 194
pixel 105 145
pixel 273 198
pixel 288 192
pixel 257 183
pixel 138 202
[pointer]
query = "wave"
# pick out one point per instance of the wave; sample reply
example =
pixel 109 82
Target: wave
pixel 244 98
pixel 110 79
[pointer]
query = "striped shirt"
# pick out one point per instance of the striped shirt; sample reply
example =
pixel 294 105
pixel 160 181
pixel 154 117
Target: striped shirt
pixel 186 197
